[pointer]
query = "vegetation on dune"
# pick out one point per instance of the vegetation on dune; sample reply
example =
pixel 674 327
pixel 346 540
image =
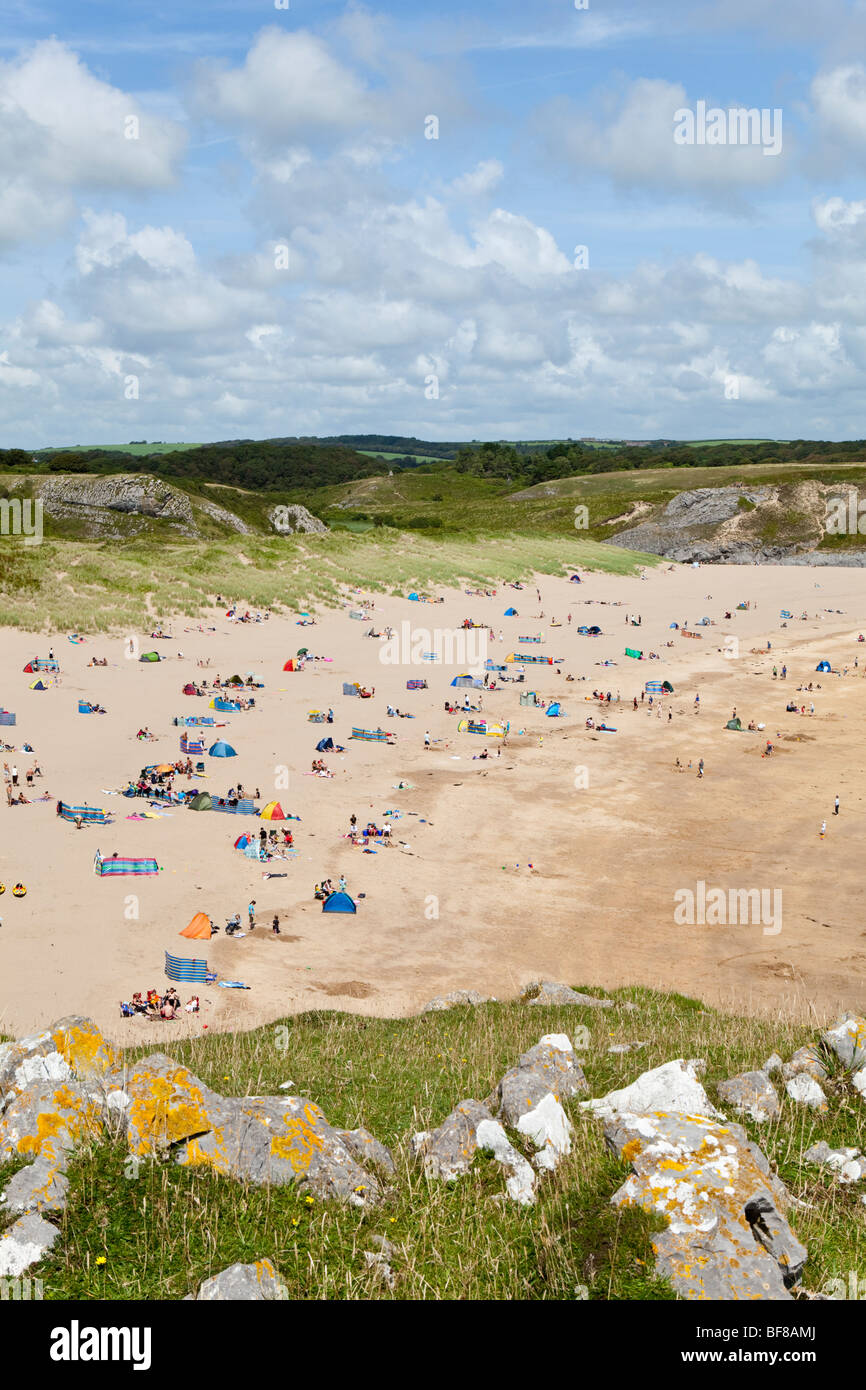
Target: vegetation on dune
pixel 155 1231
pixel 102 587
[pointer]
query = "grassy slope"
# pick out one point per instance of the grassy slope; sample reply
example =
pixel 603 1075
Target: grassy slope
pixel 161 1230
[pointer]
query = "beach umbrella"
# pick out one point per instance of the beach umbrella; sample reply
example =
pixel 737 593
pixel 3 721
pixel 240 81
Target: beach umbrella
pixel 222 749
pixel 165 767
pixel 302 651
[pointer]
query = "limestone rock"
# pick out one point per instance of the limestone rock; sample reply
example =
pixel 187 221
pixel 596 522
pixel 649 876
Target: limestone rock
pixel 257 1282
pixel 71 1047
pixel 40 1187
pixel 845 1163
pixel 368 1150
pixel 280 1140
pixel 672 1087
pixel 858 1081
pixel 752 1093
pixel 804 1089
pixel 49 1119
pixel 167 1104
pixel 616 1049
pixel 24 1244
pixel 549 1068
pixel 448 1151
pixel 520 1185
pixel 727 1235
pixel 552 993
pixel 773 1063
pixel 454 1000
pixel 376 1261
pixel 847 1039
pixel 806 1060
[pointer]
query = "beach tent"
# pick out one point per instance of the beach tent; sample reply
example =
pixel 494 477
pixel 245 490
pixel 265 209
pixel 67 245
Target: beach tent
pixel 575 579
pixel 823 666
pixel 150 656
pixel 201 802
pixel 632 651
pixel 198 929
pixel 302 651
pixel 290 666
pixel 734 724
pixel 350 688
pixel 38 685
pixel 273 811
pixel 667 688
pixel 465 680
pixel 325 745
pixel 221 749
pixel 138 868
pixel 595 632
pixel 414 598
pixel 183 971
pixel 242 841
pixel 554 710
pixel 511 613
pixel 7 718
pixel 224 706
pixel 339 902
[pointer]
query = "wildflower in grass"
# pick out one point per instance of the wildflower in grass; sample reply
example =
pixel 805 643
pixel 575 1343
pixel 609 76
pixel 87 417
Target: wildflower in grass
pixel 100 1259
pixel 309 1201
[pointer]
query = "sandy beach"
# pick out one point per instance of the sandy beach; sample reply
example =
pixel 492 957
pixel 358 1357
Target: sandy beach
pixel 611 828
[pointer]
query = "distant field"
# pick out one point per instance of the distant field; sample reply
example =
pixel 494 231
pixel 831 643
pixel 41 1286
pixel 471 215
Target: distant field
pixel 380 454
pixel 139 449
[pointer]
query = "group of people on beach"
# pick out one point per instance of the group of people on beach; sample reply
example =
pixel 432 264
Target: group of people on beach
pixel 155 1006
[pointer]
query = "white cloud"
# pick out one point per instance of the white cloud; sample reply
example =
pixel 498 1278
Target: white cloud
pixel 478 181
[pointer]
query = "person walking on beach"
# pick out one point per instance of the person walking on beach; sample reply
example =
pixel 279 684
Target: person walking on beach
pixel 701 768
pixel 836 807
pixel 276 925
pixel 697 704
pixel 343 883
pixel 823 831
pixel 427 738
pixel 14 776
pixel 251 913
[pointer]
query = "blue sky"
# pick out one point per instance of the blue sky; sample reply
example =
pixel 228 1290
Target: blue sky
pixel 224 220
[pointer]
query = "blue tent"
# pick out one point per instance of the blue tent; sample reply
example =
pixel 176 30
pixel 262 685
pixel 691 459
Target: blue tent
pixel 414 598
pixel 553 710
pixel 222 750
pixel 325 745
pixel 510 613
pixel 823 666
pixel 339 902
pixel 466 680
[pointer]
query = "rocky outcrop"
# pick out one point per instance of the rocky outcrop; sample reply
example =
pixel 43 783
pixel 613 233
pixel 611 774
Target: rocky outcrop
pixel 550 992
pixel 239 1283
pixel 727 1236
pixel 288 520
pixel 766 524
pixel 125 505
pixel 752 1093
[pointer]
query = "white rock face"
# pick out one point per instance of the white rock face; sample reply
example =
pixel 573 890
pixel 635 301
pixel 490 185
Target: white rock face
pixel 24 1244
pixel 557 1040
pixel 549 1128
pixel 673 1088
pixel 858 1081
pixel 520 1185
pixel 804 1089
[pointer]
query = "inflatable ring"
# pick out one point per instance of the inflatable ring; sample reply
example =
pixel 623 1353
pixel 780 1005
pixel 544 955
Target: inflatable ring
pixel 19 890
pixel 2 887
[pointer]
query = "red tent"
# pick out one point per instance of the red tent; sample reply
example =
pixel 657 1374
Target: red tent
pixel 289 666
pixel 29 668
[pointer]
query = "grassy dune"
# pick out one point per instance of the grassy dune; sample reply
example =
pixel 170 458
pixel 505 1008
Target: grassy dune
pixel 102 587
pixel 161 1229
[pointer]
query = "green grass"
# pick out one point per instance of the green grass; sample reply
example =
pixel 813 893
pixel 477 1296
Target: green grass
pixel 161 1229
pixel 152 447
pixel 94 587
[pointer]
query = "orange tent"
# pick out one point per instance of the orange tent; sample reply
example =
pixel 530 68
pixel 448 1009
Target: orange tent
pixel 199 928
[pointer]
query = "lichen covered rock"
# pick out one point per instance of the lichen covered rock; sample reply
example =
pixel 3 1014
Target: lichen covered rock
pixel 727 1235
